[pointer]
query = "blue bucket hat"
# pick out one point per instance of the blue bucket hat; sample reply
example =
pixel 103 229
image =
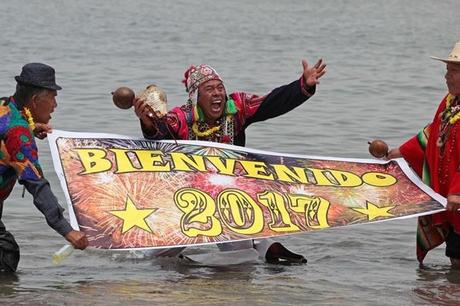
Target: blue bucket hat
pixel 38 75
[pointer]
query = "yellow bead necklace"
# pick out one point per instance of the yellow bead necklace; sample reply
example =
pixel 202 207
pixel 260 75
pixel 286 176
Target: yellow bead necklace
pixel 204 133
pixel 30 118
pixel 452 110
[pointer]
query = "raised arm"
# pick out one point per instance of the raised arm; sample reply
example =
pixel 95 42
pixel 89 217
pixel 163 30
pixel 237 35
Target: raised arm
pixel 285 98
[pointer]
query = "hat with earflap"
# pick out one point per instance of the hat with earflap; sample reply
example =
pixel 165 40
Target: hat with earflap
pixel 194 76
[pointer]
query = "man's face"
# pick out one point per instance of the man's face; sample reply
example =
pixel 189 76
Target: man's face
pixel 453 79
pixel 43 104
pixel 211 99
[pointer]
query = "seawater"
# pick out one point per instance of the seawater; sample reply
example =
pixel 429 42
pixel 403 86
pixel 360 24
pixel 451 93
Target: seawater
pixel 380 83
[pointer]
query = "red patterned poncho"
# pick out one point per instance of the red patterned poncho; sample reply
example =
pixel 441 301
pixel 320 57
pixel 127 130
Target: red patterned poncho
pixel 439 168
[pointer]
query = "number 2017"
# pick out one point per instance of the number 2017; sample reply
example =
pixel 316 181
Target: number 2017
pixel 241 214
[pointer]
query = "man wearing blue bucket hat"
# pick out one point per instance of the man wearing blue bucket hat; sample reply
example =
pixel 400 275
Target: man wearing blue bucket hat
pixel 23 116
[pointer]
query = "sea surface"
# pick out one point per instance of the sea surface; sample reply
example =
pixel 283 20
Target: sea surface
pixel 380 83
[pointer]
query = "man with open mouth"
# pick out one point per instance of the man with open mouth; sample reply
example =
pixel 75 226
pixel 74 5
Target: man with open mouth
pixel 212 115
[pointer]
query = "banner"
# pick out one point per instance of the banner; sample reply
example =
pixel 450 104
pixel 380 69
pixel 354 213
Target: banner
pixel 135 193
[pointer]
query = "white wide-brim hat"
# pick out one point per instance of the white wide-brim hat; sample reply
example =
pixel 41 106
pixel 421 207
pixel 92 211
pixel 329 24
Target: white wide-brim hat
pixel 454 56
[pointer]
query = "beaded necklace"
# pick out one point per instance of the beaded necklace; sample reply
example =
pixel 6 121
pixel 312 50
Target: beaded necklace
pixel 30 119
pixel 449 116
pixel 222 131
pixel 202 129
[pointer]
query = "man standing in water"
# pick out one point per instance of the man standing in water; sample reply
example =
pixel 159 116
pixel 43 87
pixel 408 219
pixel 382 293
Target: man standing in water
pixel 212 115
pixel 22 116
pixel 435 155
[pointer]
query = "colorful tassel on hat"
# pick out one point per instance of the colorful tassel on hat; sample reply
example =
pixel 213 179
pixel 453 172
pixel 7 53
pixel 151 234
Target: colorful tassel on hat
pixel 198 114
pixel 230 108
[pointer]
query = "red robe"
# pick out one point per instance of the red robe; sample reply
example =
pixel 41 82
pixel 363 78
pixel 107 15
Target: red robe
pixel 440 170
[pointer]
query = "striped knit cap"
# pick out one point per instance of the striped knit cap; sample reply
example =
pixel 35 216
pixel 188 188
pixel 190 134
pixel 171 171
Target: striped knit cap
pixel 194 76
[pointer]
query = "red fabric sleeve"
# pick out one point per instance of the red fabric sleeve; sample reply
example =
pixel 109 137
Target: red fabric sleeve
pixel 172 126
pixel 454 184
pixel 414 154
pixel 454 187
pixel 250 103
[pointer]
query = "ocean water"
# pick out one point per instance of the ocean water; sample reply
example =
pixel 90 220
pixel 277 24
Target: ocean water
pixel 380 83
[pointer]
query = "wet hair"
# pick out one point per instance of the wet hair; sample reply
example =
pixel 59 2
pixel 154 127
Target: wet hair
pixel 24 93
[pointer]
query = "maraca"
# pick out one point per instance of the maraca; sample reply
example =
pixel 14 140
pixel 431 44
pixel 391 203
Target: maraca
pixel 123 97
pixel 378 148
pixel 153 95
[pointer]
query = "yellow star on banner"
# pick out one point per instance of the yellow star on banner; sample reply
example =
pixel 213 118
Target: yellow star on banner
pixel 373 211
pixel 132 216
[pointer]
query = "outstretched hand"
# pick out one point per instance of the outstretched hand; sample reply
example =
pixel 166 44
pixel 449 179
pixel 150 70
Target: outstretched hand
pixel 41 130
pixel 311 75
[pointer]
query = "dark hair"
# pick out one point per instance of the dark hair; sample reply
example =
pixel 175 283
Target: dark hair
pixel 24 93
